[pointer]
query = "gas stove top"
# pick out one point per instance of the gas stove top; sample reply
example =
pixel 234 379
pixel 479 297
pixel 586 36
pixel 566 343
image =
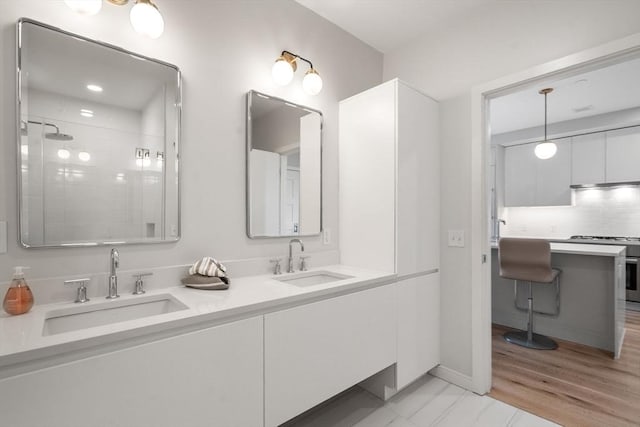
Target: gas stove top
pixel 607 238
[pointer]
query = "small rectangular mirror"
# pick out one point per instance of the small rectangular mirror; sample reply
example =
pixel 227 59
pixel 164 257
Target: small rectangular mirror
pixel 284 168
pixel 98 138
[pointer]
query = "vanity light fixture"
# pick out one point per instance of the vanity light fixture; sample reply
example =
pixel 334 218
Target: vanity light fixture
pixel 144 16
pixel 546 149
pixel 286 65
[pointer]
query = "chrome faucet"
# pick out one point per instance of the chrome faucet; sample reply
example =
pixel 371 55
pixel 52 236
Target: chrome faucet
pixel 113 279
pixel 290 265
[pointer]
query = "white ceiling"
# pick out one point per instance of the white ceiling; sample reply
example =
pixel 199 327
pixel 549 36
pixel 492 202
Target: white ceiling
pixel 604 90
pixel 388 24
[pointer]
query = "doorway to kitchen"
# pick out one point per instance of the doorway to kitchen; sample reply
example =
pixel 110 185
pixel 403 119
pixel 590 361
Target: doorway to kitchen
pixel 579 383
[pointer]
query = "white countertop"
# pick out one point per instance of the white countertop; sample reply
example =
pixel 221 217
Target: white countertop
pixel 587 249
pixel 583 249
pixel 21 338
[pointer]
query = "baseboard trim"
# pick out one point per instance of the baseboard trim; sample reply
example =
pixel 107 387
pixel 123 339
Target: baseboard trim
pixel 454 377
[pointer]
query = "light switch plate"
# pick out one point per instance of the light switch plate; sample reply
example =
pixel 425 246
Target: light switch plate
pixel 3 237
pixel 456 238
pixel 326 236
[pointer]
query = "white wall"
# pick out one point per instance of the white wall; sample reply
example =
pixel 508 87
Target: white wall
pixel 446 63
pixel 224 49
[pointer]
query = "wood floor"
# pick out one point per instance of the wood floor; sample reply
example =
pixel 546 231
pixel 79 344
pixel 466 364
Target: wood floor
pixel 574 385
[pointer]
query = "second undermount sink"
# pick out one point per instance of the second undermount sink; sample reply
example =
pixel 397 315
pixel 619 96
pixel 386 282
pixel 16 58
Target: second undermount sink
pixel 82 317
pixel 311 278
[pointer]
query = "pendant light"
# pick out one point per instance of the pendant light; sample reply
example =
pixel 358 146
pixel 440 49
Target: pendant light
pixel 546 149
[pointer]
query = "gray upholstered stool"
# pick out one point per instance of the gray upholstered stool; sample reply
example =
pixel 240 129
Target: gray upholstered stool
pixel 529 260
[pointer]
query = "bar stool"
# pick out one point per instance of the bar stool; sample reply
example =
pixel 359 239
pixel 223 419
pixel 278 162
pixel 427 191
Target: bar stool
pixel 529 260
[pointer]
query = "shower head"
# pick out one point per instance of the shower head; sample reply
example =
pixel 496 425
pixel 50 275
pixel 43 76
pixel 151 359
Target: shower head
pixel 57 136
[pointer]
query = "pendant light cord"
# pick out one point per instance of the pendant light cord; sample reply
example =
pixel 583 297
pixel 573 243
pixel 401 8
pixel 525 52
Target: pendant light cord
pixel 545 116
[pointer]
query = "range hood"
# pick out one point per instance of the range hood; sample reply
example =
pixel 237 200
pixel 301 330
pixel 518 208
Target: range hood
pixel 607 185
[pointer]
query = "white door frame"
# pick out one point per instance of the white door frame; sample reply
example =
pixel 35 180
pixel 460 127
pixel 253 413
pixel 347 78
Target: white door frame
pixel 481 270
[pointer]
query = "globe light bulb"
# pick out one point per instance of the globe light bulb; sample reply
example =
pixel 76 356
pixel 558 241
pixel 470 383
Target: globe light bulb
pixel 146 19
pixel 312 83
pixel 546 150
pixel 84 7
pixel 282 71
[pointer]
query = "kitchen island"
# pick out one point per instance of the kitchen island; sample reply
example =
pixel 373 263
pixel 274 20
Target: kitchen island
pixel 592 296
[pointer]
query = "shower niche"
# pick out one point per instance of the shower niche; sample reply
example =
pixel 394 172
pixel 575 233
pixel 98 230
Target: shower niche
pixel 98 142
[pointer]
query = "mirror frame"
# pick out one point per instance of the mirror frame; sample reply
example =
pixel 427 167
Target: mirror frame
pixel 178 135
pixel 248 144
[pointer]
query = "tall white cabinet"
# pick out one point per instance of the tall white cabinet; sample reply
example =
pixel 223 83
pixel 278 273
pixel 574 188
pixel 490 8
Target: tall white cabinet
pixel 389 198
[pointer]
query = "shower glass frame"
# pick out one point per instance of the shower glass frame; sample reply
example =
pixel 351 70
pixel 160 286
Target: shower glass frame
pixel 168 233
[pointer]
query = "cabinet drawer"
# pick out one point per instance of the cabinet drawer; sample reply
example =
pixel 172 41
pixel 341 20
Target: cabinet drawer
pixel 317 350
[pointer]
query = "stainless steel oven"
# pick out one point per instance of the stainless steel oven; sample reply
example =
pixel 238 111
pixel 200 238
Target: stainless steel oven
pixel 633 290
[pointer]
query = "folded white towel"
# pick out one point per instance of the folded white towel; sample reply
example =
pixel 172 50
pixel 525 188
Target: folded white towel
pixel 208 266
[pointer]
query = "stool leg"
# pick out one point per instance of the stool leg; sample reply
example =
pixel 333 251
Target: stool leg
pixel 530 324
pixel 528 338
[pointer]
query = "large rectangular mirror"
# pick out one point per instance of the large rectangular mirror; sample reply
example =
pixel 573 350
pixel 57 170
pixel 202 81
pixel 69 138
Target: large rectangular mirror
pixel 98 138
pixel 284 168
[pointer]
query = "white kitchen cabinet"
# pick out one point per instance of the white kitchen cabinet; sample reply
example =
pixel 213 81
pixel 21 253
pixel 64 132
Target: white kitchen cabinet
pixel 317 350
pixel 623 155
pixel 389 189
pixel 211 377
pixel 587 159
pixel 519 175
pixel 530 181
pixel 418 327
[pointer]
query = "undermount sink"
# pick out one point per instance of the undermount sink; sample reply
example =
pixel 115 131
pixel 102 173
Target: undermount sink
pixel 312 278
pixel 75 318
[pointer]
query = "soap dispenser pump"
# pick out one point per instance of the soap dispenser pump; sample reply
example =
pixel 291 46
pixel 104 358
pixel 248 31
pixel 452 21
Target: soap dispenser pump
pixel 18 299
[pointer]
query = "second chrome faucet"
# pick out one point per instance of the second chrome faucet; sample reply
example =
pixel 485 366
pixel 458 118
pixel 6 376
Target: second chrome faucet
pixel 290 263
pixel 113 278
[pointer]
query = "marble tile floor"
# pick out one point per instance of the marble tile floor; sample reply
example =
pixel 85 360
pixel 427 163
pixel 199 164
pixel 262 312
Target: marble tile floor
pixel 429 401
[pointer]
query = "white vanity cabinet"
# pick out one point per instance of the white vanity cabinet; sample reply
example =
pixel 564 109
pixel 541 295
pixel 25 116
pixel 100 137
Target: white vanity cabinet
pixel 623 155
pixel 208 377
pixel 317 350
pixel 530 181
pixel 418 327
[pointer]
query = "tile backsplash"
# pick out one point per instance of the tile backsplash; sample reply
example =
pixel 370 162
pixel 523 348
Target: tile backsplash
pixel 596 211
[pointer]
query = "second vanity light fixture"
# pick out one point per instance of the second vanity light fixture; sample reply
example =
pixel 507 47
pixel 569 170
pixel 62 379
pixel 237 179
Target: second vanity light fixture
pixel 145 16
pixel 546 149
pixel 286 65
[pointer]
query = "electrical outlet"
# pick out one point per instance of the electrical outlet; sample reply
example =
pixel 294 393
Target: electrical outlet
pixel 456 238
pixel 326 236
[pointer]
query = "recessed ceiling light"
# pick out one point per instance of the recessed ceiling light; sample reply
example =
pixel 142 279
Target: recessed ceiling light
pixel 94 88
pixel 86 113
pixel 63 154
pixel 582 109
pixel 84 156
